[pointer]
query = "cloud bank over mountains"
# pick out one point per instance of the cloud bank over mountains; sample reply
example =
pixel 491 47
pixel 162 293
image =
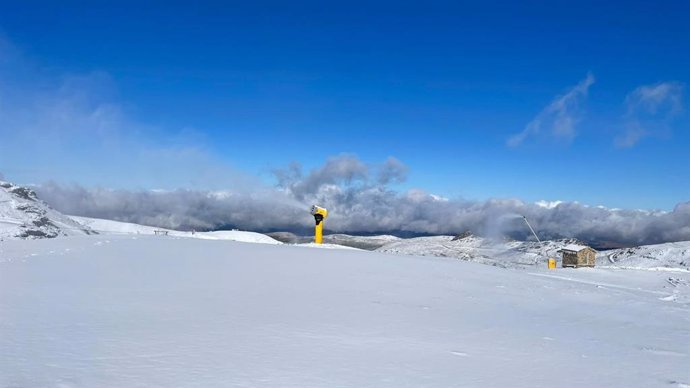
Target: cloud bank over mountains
pixel 360 199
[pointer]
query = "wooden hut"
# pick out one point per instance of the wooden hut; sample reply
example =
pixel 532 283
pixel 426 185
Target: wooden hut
pixel 578 256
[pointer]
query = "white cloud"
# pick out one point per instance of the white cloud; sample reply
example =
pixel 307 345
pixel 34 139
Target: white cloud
pixel 652 98
pixel 548 204
pixel 359 203
pixel 649 111
pixel 558 119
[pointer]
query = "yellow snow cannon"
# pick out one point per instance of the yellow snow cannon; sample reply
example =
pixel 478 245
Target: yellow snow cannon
pixel 319 214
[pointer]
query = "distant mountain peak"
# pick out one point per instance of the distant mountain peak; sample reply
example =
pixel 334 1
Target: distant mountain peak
pixel 463 235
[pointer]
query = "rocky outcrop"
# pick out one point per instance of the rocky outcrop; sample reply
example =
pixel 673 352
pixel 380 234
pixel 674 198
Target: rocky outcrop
pixel 24 215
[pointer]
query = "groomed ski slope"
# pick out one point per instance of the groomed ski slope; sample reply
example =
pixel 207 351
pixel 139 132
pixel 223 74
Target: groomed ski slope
pixel 153 311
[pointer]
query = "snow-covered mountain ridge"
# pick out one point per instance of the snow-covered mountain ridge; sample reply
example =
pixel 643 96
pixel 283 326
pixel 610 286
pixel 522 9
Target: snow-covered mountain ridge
pixel 675 254
pixel 23 215
pixel 529 253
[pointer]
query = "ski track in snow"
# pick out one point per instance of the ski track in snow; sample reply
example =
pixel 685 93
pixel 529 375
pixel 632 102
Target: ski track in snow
pixel 593 283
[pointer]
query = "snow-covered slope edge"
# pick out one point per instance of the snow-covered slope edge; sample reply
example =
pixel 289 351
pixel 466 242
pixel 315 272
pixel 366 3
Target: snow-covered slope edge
pixel 368 243
pixel 674 256
pixel 656 257
pixel 116 227
pixel 478 249
pixel 24 216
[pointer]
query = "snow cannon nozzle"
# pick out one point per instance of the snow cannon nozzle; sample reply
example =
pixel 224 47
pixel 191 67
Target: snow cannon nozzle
pixel 318 212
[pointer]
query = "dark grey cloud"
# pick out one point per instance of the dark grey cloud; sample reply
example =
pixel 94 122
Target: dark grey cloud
pixel 342 169
pixel 358 201
pixel 185 209
pixel 392 171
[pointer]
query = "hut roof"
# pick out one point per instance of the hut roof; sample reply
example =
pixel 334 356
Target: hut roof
pixel 574 248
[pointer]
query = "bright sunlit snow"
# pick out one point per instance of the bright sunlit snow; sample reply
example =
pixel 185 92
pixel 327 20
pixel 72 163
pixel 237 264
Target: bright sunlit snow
pixel 164 311
pixel 115 227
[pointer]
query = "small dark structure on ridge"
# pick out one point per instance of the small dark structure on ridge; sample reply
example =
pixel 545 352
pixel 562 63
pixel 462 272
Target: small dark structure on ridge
pixel 462 235
pixel 578 256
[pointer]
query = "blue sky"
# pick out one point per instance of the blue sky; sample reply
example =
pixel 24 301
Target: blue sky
pixel 235 90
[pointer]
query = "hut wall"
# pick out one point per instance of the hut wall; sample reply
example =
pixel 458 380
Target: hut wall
pixel 570 259
pixel 583 258
pixel 586 258
pixel 590 256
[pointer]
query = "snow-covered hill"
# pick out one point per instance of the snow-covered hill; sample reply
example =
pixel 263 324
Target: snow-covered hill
pixel 478 249
pixel 110 227
pixel 659 256
pixel 139 310
pixel 24 215
pixel 526 253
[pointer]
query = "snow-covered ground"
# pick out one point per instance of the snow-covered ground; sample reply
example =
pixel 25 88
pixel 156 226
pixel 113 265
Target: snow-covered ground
pixel 655 257
pixel 361 242
pixel 109 227
pixel 525 254
pixel 469 247
pixel 354 241
pixel 144 311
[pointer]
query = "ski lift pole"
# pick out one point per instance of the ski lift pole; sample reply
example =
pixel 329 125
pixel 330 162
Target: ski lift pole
pixel 551 263
pixel 530 228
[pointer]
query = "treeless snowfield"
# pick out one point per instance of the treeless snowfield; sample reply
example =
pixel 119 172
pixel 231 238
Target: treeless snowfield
pixel 153 311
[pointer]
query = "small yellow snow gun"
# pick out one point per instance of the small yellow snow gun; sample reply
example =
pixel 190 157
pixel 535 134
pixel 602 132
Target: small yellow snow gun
pixel 319 214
